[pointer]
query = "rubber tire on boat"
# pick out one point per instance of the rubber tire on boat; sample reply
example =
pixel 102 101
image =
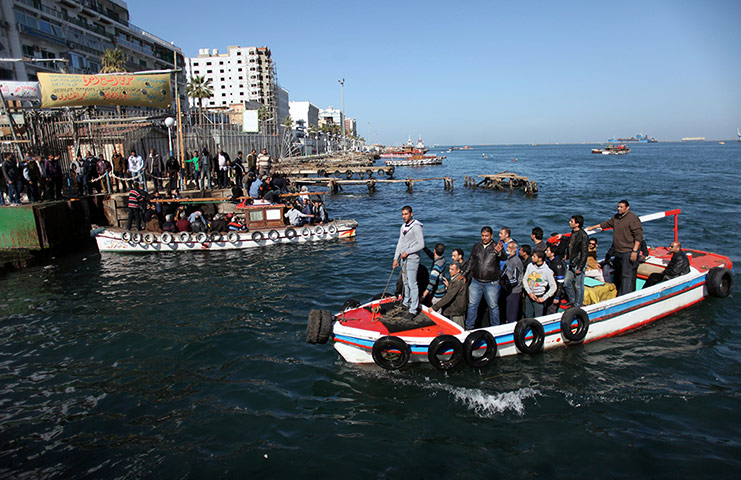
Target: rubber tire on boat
pixel 522 328
pixel 257 237
pixel 332 229
pixel 215 237
pixel 321 172
pixel 232 237
pixel 184 237
pixel 719 282
pixel 319 230
pixel 201 237
pixel 325 327
pixel 136 237
pixel 390 343
pixel 273 235
pixel 291 233
pixel 443 343
pixel 125 236
pixel 472 343
pixel 350 303
pixel 166 238
pixel 306 232
pixel 348 174
pixel 313 326
pixel 148 237
pixel 582 327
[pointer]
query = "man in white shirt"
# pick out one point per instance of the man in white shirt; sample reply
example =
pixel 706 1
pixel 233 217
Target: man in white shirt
pixel 136 168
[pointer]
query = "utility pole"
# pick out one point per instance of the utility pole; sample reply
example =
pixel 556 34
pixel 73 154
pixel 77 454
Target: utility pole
pixel 342 113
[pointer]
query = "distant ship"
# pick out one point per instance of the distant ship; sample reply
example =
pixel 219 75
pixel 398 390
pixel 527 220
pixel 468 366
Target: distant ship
pixel 693 139
pixel 639 137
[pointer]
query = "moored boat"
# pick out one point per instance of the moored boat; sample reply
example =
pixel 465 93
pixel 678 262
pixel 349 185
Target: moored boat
pixel 264 227
pixel 612 150
pixel 370 333
pixel 416 161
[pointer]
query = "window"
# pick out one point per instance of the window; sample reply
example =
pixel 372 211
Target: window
pixel 221 71
pixel 209 71
pixel 208 63
pixel 27 50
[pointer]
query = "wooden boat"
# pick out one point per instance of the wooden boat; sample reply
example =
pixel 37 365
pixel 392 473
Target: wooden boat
pixel 416 161
pixel 612 150
pixel 369 333
pixel 264 227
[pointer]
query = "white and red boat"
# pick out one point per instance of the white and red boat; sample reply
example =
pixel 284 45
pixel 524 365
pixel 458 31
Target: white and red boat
pixel 416 161
pixel 368 333
pixel 264 227
pixel 406 150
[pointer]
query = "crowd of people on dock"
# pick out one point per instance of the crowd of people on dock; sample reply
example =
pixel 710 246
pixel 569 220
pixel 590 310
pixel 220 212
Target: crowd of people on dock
pixel 44 178
pixel 518 280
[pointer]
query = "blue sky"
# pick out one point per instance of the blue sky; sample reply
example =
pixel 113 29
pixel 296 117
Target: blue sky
pixel 488 72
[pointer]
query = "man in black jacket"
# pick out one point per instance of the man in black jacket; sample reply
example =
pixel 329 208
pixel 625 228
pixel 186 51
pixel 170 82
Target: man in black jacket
pixel 578 250
pixel 678 265
pixel 484 268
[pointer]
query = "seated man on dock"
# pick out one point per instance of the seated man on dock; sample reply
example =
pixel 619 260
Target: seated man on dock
pixel 678 265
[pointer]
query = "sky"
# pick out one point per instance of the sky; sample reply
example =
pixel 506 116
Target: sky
pixel 488 72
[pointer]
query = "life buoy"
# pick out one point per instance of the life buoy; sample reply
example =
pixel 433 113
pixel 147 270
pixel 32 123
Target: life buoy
pixel 201 237
pixel 273 235
pixel 319 230
pixel 306 232
pixel 582 324
pixel 166 238
pixel 719 282
pixel 257 236
pixel 215 237
pixel 136 237
pixel 332 229
pixel 125 236
pixel 473 345
pixel 232 237
pixel 529 327
pixel 449 348
pixel 390 353
pixel 291 233
pixel 148 237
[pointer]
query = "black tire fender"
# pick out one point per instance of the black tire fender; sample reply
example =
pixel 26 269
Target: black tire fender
pixel 257 236
pixel 439 346
pixel 273 235
pixel 719 282
pixel 535 328
pixel 473 344
pixel 350 303
pixel 313 326
pixel 325 326
pixel 582 326
pixel 291 233
pixel 391 353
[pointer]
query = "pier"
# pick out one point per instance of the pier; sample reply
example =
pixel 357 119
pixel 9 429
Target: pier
pixel 502 181
pixel 335 185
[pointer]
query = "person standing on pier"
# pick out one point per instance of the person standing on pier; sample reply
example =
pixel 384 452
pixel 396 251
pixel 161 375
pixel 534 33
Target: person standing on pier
pixel 156 168
pixel 136 166
pixel 118 170
pixel 12 179
pixel 264 163
pixel 411 242
pixel 627 235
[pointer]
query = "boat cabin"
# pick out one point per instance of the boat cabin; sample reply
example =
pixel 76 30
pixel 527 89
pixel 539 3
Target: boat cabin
pixel 263 216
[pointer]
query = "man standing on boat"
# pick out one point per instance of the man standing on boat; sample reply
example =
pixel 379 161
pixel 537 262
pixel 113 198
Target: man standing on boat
pixel 484 267
pixel 626 239
pixel 411 242
pixel 578 252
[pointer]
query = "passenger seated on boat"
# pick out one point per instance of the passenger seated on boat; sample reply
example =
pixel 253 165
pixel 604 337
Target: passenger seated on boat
pixel 183 224
pixel 319 212
pixel 593 267
pixel 198 224
pixel 217 224
pixel 265 187
pixel 296 218
pixel 152 221
pixel 237 193
pixel 281 183
pixel 273 196
pixel 678 265
pixel 169 225
pixel 236 223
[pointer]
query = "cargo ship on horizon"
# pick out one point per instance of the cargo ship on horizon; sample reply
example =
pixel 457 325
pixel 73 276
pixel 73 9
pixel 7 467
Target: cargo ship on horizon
pixel 639 137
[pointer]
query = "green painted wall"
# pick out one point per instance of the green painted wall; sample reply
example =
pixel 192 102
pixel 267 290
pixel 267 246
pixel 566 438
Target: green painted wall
pixel 18 228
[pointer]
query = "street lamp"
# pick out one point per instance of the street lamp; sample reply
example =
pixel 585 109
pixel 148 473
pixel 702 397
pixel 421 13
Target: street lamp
pixel 169 122
pixel 342 113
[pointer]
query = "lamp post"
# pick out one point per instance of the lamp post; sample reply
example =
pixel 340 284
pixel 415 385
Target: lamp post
pixel 169 122
pixel 342 113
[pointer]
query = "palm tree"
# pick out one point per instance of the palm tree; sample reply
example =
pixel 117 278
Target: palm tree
pixel 199 88
pixel 112 61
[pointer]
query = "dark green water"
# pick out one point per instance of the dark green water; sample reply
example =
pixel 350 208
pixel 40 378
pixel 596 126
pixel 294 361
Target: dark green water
pixel 194 365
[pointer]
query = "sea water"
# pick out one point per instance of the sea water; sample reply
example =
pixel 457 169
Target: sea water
pixel 194 364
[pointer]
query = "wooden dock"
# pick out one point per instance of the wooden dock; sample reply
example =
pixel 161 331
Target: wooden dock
pixel 335 185
pixel 503 181
pixel 325 171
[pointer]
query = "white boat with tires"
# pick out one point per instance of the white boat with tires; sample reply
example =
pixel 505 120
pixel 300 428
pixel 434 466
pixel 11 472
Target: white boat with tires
pixel 372 333
pixel 264 228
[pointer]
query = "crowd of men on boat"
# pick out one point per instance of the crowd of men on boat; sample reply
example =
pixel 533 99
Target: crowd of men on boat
pixel 519 280
pixel 44 179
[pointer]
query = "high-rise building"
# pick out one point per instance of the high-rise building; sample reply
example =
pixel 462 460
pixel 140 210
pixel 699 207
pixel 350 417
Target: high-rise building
pixel 79 31
pixel 305 111
pixel 241 74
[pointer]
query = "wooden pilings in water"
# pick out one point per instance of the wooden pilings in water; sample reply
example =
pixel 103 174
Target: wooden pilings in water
pixel 503 181
pixel 335 184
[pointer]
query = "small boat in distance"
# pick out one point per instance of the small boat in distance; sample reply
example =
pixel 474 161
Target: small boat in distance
pixel 416 161
pixel 612 150
pixel 693 139
pixel 406 150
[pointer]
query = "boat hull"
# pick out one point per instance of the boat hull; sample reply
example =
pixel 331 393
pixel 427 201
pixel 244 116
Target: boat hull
pixel 112 239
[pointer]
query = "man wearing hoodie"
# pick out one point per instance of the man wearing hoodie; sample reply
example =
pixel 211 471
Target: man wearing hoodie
pixel 411 242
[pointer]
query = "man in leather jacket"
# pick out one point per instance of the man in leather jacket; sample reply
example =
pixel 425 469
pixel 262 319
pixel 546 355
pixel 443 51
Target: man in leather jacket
pixel 484 267
pixel 578 250
pixel 678 265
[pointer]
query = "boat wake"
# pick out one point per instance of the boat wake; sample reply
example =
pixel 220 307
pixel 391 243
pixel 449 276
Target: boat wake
pixel 488 404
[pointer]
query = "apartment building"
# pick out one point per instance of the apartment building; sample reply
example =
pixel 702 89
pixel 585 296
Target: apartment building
pixel 305 111
pixel 79 31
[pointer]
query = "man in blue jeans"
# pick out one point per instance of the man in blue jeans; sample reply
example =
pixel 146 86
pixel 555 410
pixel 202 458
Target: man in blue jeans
pixel 578 251
pixel 411 242
pixel 484 267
